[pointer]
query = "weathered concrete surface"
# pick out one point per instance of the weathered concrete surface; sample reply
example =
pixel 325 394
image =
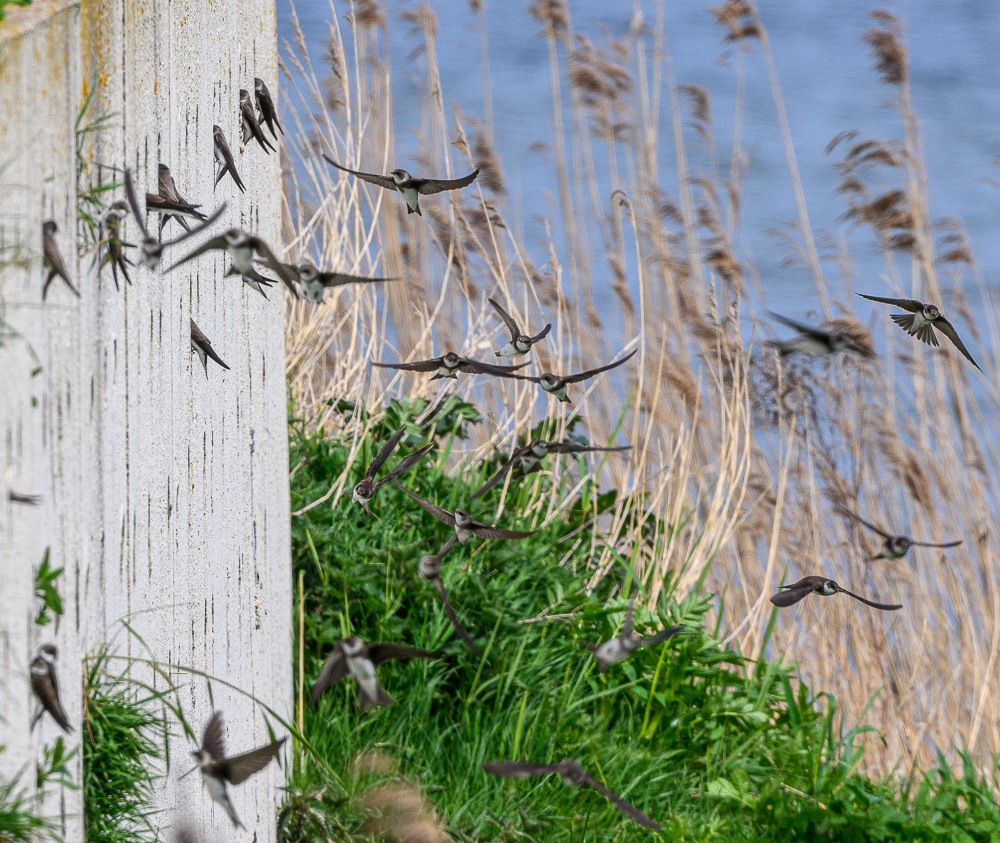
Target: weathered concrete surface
pixel 165 492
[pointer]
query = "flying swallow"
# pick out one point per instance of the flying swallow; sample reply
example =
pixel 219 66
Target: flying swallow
pixel 315 283
pixel 895 547
pixel 27 500
pixel 217 770
pixel 169 203
pixel 465 526
pixel 52 261
pixel 450 364
pixel 45 684
pixel 557 384
pixel 627 641
pixel 366 489
pixel 573 775
pixel 111 237
pixel 529 459
pixel 520 344
pixel 430 569
pixel 251 128
pixel 921 321
pixel 406 184
pixel 815 341
pixel 151 251
pixel 241 248
pixel 202 346
pixel 265 107
pixel 790 594
pixel 352 656
pixel 224 158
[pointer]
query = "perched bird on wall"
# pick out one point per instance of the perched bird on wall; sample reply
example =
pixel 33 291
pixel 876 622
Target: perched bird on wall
pixel 224 158
pixel 411 188
pixel 45 684
pixel 556 385
pixel 894 547
pixel 52 261
pixel 217 770
pixel 251 128
pixel 520 344
pixel 266 112
pixel 242 248
pixel 202 346
pixel 430 569
pixel 465 526
pixel 572 774
pixel 920 322
pixel 627 641
pixel 790 594
pixel 450 364
pixel 529 459
pixel 170 204
pixel 815 341
pixel 351 656
pixel 111 237
pixel 151 250
pixel 366 489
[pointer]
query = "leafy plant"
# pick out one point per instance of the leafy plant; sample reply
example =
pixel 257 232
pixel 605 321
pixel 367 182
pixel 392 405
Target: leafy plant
pixel 45 590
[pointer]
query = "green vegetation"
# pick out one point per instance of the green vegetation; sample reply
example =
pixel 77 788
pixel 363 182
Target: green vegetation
pixel 711 745
pixel 5 3
pixel 20 806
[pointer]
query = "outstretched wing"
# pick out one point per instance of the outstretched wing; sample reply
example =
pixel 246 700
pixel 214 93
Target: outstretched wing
pixel 287 273
pixel 474 367
pixel 384 452
pixel 406 463
pixel 453 617
pixel 501 472
pixel 582 376
pixel 518 769
pixel 807 330
pixel 428 187
pixel 334 669
pixel 197 230
pixel 791 594
pixel 928 544
pixel 911 305
pixel 571 448
pixel 379 653
pixel 219 242
pixel 623 805
pixel 239 768
pixel 417 366
pixel 887 606
pixel 212 740
pixel 442 515
pixel 133 203
pixel 372 178
pixel 661 636
pixel 868 524
pixel 508 320
pixel 542 334
pixel 946 328
pixel 485 531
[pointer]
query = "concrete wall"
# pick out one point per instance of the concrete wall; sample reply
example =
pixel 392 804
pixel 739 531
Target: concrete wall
pixel 165 493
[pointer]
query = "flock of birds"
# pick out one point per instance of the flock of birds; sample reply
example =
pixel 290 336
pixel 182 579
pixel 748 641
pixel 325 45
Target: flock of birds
pixel 352 657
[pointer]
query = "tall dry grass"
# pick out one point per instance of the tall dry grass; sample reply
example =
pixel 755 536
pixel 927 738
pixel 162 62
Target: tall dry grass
pixel 746 455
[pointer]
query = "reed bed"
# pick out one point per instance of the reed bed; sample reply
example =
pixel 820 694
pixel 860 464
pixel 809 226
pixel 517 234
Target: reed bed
pixel 747 455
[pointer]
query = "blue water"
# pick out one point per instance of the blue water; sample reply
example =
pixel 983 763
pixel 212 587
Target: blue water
pixel 827 82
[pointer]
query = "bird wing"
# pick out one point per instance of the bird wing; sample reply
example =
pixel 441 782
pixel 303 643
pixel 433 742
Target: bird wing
pixel 911 305
pixel 442 515
pixel 219 242
pixel 661 636
pixel 508 320
pixel 164 204
pixel 453 617
pixel 205 344
pixel 542 334
pixel 338 279
pixel 886 606
pixel 239 768
pixel 196 230
pixel 868 524
pixel 629 623
pixel 572 448
pixel 622 804
pixel 590 373
pixel 59 713
pixel 428 187
pixel 334 669
pixel 518 769
pixel 946 328
pixel 384 452
pixel 406 463
pixel 372 178
pixel 287 274
pixel 474 367
pixel 485 531
pixel 212 740
pixel 500 473
pixel 791 594
pixel 379 653
pixel 815 333
pixel 928 544
pixel 417 366
pixel 133 203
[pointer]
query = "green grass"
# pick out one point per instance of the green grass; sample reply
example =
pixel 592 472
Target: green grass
pixel 710 746
pixel 5 3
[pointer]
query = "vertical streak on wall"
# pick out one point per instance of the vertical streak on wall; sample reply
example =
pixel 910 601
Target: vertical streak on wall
pixel 166 490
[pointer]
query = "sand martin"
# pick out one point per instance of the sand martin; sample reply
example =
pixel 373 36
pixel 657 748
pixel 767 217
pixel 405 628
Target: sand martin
pixel 921 321
pixel 45 684
pixel 52 261
pixel 224 158
pixel 111 237
pixel 406 184
pixel 170 204
pixel 520 344
pixel 627 641
pixel 895 547
pixel 430 569
pixel 366 489
pixel 217 770
pixel 242 248
pixel 315 283
pixel 202 346
pixel 815 341
pixel 529 459
pixel 27 500
pixel 353 657
pixel 251 128
pixel 790 594
pixel 556 385
pixel 450 364
pixel 465 526
pixel 266 112
pixel 573 775
pixel 151 251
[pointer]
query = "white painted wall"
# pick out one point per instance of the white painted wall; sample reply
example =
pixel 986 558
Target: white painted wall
pixel 165 492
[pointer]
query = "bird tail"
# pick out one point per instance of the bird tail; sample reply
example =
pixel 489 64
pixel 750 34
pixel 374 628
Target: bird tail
pixel 416 210
pixel 905 321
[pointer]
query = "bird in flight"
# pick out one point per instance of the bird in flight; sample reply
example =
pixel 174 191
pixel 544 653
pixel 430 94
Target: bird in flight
pixel 815 341
pixel 450 364
pixel 242 249
pixel 465 526
pixel 520 344
pixel 430 569
pixel 790 594
pixel 556 385
pixel 627 641
pixel 894 547
pixel 366 489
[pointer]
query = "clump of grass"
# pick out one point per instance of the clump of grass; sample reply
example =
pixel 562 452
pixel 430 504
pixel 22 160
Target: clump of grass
pixel 19 820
